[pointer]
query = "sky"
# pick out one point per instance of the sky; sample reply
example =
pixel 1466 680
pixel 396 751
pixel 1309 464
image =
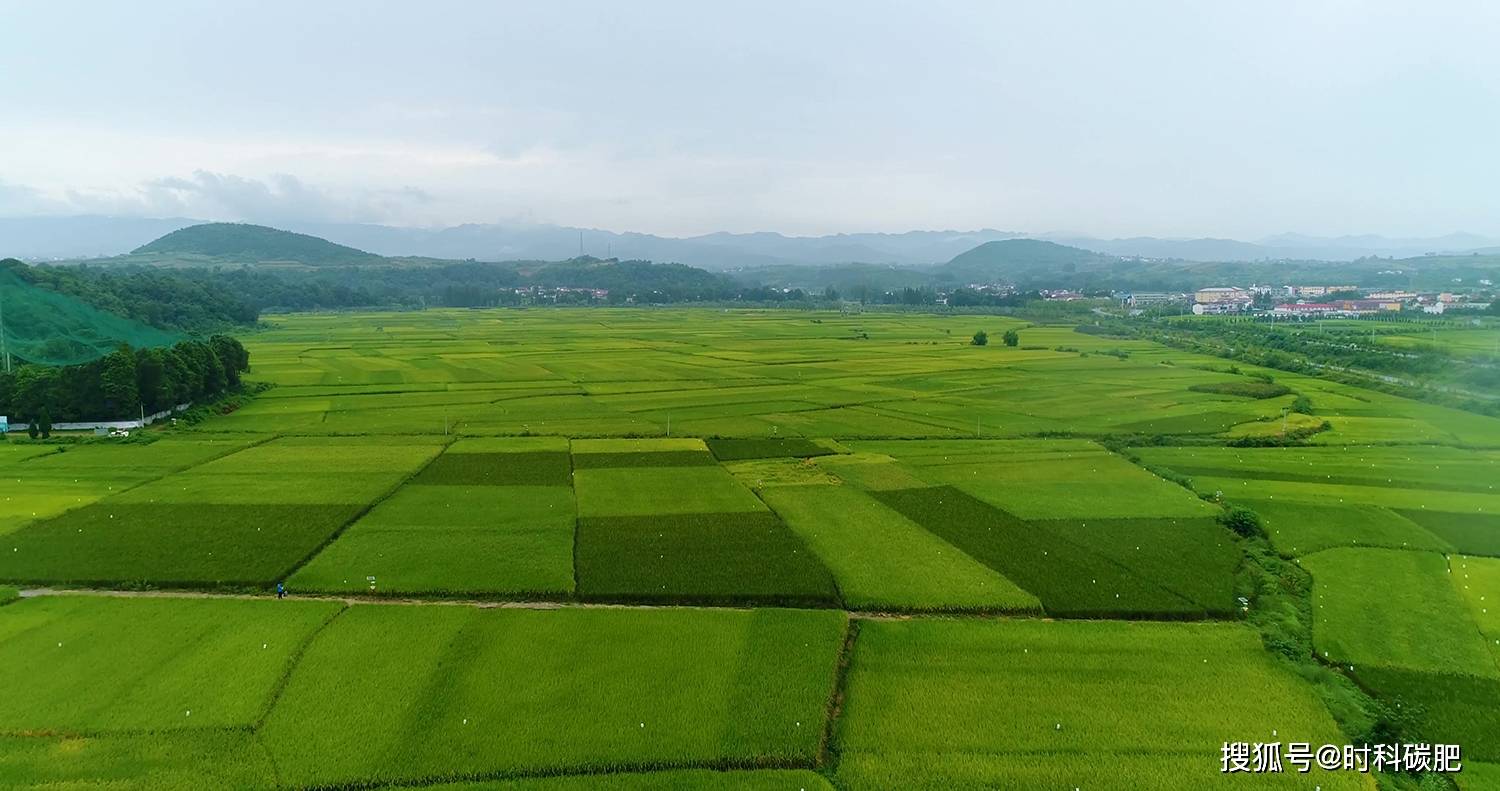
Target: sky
pixel 1114 119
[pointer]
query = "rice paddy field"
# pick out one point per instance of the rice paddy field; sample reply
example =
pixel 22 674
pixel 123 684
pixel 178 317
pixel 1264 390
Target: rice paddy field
pixel 638 548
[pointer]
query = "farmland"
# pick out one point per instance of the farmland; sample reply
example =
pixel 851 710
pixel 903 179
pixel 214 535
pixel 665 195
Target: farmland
pixel 641 548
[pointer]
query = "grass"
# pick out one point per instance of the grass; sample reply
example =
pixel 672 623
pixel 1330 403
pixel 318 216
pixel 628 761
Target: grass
pixel 699 558
pixel 170 544
pixel 42 481
pixel 167 760
pixel 295 471
pixel 453 540
pixel 670 458
pixel 669 780
pixel 1443 707
pixel 1069 579
pixel 1472 534
pixel 883 561
pixel 665 452
pixel 1045 479
pixel 1193 558
pixel 1478 583
pixel 1413 620
pixel 1302 528
pixel 95 665
pixel 527 468
pixel 743 449
pixel 444 562
pixel 1423 469
pixel 390 694
pixel 967 704
pixel 657 491
pixel 1478 776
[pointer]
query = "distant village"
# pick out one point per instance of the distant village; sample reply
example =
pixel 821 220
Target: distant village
pixel 1305 301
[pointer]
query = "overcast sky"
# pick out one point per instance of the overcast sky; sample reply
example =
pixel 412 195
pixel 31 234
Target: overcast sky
pixel 1111 118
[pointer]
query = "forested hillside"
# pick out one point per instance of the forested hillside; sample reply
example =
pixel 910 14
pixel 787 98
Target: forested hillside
pixel 45 326
pixel 183 300
pixel 251 243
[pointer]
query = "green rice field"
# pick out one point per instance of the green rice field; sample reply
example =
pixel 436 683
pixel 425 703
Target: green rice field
pixel 752 549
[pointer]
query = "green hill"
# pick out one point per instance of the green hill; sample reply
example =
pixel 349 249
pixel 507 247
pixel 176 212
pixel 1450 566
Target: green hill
pixel 43 326
pixel 1020 261
pixel 255 243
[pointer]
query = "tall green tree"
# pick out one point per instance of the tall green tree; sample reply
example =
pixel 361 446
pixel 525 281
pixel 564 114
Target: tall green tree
pixel 117 383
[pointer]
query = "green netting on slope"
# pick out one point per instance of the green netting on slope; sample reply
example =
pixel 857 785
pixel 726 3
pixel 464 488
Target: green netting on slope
pixel 49 328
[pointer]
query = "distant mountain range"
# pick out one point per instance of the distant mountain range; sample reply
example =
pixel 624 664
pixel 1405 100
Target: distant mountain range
pixel 1019 262
pixel 42 238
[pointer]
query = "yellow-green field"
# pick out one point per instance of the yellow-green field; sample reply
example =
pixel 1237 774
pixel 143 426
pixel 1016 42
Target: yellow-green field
pixel 639 548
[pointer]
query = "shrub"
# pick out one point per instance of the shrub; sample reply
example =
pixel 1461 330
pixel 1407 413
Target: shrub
pixel 1254 388
pixel 1243 521
pixel 981 338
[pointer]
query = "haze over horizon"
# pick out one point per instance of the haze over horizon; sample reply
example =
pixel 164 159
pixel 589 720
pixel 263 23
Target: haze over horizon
pixel 1168 119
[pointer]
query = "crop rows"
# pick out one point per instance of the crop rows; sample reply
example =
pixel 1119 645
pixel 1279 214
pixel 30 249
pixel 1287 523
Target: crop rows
pixel 296 694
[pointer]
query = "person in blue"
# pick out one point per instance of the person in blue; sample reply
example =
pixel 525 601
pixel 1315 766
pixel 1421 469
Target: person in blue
pixel 280 590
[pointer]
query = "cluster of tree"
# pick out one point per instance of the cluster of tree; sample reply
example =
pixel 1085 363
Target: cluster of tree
pixel 1430 372
pixel 187 300
pixel 1009 338
pixel 124 383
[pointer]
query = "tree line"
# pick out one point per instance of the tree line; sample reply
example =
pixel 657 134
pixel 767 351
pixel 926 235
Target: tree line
pixel 186 300
pixel 124 383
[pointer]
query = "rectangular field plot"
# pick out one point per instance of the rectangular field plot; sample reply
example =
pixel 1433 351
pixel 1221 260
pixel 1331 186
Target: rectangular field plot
pixel 651 491
pixel 596 453
pixel 883 561
pixel 99 664
pixel 1069 578
pixel 181 760
pixel 452 540
pixel 1423 469
pixel 1413 619
pixel 393 693
pixel 1302 528
pixel 934 704
pixel 42 481
pixel 1193 558
pixel 296 470
pixel 497 469
pixel 1045 479
pixel 1478 584
pixel 741 449
pixel 173 544
pixel 247 518
pixel 1471 534
pixel 699 558
pixel 1443 707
